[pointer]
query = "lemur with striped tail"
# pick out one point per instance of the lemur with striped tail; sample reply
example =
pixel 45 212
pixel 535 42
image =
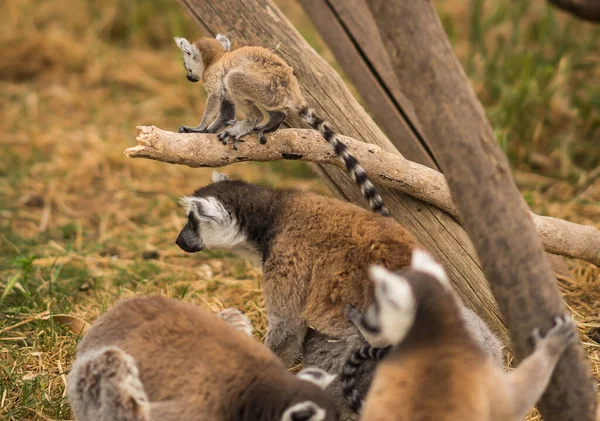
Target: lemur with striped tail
pixel 158 359
pixel 314 251
pixel 435 369
pixel 256 81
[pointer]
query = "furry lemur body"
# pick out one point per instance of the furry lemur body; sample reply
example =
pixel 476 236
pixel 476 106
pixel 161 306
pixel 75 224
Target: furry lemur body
pixel 257 81
pixel 156 359
pixel 314 250
pixel 436 370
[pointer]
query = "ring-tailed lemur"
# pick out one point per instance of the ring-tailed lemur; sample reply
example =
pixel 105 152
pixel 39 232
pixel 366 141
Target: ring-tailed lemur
pixel 256 81
pixel 154 359
pixel 377 348
pixel 436 369
pixel 315 252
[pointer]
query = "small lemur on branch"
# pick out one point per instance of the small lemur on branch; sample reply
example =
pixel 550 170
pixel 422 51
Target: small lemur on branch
pixel 157 359
pixel 257 81
pixel 436 370
pixel 315 252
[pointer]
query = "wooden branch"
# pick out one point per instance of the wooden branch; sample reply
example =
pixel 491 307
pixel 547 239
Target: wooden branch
pixel 384 168
pixel 490 205
pixel 260 22
pixel 584 9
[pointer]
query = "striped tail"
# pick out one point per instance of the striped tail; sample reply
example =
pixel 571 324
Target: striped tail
pixel 343 153
pixel 348 378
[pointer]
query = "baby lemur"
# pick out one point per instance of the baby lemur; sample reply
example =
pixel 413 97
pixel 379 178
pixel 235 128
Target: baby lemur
pixel 436 370
pixel 315 252
pixel 156 359
pixel 257 81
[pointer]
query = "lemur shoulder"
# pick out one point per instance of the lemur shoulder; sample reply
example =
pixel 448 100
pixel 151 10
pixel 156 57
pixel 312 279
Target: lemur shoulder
pixel 315 252
pixel 256 81
pixel 436 370
pixel 152 358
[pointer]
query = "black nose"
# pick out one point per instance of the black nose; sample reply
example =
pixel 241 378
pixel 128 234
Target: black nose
pixel 192 78
pixel 183 245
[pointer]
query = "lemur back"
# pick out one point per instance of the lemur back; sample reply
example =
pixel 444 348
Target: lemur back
pixel 153 358
pixel 315 252
pixel 436 370
pixel 257 81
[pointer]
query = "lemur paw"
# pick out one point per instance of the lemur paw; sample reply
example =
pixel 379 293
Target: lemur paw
pixel 237 319
pixel 262 138
pixel 559 337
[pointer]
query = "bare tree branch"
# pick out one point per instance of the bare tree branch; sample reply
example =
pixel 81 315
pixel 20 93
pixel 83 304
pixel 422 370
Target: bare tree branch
pixel 387 169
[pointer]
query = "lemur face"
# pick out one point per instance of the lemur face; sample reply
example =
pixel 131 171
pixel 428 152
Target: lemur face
pixel 192 59
pixel 393 311
pixel 209 224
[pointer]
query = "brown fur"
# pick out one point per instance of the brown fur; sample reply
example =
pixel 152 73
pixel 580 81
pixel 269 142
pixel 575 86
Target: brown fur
pixel 438 372
pixel 315 252
pixel 265 77
pixel 326 269
pixel 193 365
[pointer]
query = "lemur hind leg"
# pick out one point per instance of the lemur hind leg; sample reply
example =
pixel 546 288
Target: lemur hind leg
pixel 285 337
pixel 529 381
pixel 276 118
pixel 226 113
pixel 241 128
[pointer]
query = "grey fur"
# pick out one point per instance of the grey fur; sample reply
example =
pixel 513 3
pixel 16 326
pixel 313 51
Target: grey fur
pixel 104 385
pixel 223 39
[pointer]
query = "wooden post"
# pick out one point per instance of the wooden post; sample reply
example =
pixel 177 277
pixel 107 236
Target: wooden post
pixel 489 203
pixel 259 22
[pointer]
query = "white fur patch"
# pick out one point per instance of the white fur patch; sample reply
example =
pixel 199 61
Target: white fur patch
pixel 224 41
pixel 397 306
pixel 218 176
pixel 317 376
pixel 217 228
pixel 424 262
pixel 319 413
pixel 192 58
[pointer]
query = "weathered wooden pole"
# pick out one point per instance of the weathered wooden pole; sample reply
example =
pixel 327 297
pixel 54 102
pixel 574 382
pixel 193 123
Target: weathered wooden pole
pixel 489 203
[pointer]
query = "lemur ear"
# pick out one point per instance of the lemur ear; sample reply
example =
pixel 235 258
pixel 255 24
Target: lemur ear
pixel 187 47
pixel 304 411
pixel 317 376
pixel 424 262
pixel 224 41
pixel 217 176
pixel 390 285
pixel 208 209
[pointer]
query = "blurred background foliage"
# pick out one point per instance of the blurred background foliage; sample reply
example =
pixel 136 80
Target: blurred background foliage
pixel 80 226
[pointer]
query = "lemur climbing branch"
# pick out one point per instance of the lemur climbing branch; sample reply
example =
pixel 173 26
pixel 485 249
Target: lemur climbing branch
pixel 387 169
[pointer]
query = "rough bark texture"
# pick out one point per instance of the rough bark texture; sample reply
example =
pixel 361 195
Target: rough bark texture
pixel 259 22
pixel 386 169
pixel 351 33
pixel 493 211
pixel 584 9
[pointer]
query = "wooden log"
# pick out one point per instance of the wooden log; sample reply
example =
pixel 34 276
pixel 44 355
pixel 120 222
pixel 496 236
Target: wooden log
pixel 260 22
pixel 490 205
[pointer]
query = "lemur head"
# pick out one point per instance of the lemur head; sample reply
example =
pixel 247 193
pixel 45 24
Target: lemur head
pixel 209 224
pixel 314 405
pixel 200 54
pixel 398 295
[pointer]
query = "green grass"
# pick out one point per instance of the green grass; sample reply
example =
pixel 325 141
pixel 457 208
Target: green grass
pixel 71 113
